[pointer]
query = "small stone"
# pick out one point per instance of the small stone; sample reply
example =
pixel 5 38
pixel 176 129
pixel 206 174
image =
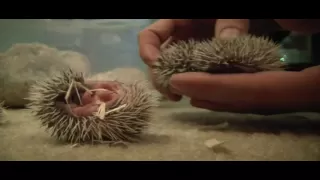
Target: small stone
pixel 212 143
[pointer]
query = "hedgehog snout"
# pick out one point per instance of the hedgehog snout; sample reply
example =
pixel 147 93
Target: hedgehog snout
pixel 99 92
pixel 102 92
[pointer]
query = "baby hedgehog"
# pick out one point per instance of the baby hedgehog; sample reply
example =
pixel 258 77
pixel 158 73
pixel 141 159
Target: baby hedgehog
pixel 106 108
pixel 245 54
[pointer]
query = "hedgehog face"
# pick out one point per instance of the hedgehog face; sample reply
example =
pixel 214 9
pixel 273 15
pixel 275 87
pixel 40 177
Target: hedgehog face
pixel 85 102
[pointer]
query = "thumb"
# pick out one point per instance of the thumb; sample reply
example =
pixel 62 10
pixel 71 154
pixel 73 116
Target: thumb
pixel 230 28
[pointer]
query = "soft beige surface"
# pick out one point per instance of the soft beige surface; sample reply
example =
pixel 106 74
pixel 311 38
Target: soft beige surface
pixel 177 133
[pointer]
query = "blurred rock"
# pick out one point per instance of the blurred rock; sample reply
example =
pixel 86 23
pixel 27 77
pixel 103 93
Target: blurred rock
pixel 25 63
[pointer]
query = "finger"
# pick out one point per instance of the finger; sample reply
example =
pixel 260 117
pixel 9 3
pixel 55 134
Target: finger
pixel 173 97
pixel 169 95
pixel 151 38
pixel 263 89
pixel 167 42
pixel 230 28
pixel 186 28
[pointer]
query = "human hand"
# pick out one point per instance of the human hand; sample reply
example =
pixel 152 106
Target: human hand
pixel 243 100
pixel 166 31
pixel 265 92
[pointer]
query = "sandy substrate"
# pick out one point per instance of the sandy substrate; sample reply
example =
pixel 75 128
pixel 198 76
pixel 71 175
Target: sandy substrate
pixel 177 133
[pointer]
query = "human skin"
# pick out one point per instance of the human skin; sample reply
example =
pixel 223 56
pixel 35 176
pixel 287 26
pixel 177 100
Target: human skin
pixel 290 91
pixel 106 92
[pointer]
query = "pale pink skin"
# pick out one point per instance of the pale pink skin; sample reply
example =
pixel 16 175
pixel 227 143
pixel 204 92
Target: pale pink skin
pixel 90 101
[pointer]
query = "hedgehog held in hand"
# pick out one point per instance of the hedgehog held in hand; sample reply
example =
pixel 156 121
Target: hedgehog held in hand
pixel 103 109
pixel 245 54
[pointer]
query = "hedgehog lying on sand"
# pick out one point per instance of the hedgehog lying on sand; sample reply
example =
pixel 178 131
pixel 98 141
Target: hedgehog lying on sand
pixel 110 107
pixel 245 54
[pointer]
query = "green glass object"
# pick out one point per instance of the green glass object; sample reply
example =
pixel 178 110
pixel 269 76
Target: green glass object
pixel 284 58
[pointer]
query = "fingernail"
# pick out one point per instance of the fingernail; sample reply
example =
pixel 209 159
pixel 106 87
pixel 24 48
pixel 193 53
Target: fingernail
pixel 229 33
